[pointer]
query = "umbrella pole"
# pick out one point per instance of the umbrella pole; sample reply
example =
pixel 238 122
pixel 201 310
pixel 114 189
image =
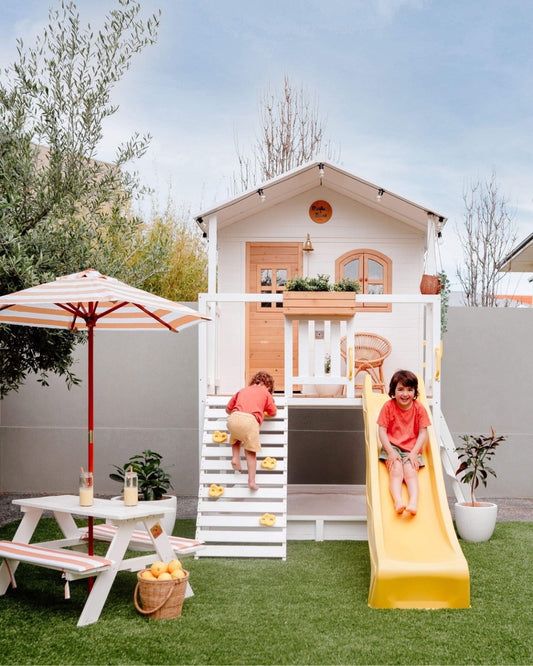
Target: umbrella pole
pixel 90 446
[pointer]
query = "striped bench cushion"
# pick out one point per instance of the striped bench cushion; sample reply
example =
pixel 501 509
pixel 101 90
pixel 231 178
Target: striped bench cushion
pixel 180 545
pixel 64 560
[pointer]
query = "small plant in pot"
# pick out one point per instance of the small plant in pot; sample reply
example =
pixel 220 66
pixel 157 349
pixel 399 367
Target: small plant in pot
pixel 153 482
pixel 328 390
pixel 475 521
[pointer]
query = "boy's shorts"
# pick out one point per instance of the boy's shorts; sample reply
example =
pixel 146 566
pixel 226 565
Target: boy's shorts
pixel 404 455
pixel 244 428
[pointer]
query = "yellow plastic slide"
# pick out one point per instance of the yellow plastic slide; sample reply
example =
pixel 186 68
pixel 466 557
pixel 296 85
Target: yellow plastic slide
pixel 416 561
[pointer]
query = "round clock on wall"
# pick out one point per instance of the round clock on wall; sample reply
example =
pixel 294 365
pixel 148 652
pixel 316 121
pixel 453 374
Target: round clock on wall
pixel 320 211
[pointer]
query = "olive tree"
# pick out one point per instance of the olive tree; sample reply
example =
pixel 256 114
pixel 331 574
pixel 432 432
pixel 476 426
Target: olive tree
pixel 62 210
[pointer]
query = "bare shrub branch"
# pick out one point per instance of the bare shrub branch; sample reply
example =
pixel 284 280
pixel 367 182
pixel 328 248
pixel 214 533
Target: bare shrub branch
pixel 291 133
pixel 488 235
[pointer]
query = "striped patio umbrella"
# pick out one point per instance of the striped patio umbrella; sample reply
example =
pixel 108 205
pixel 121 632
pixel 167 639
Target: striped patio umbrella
pixel 89 300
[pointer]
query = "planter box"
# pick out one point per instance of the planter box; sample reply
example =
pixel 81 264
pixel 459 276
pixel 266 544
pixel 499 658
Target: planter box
pixel 319 304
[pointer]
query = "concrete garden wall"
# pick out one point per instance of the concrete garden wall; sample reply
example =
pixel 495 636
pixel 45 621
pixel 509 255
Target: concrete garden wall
pixel 146 397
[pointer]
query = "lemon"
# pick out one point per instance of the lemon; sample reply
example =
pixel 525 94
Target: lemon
pixel 148 575
pixel 173 565
pixel 158 568
pixel 178 574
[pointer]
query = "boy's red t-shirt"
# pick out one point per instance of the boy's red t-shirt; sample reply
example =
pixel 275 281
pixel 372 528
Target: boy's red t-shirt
pixel 255 400
pixel 403 425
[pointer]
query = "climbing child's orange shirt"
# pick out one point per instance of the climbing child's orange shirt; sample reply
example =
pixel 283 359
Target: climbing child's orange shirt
pixel 255 400
pixel 403 425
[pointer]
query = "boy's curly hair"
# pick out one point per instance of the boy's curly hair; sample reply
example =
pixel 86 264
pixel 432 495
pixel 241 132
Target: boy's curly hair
pixel 264 378
pixel 405 377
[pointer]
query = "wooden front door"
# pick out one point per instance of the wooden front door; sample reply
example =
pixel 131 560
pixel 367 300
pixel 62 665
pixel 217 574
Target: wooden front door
pixel 268 267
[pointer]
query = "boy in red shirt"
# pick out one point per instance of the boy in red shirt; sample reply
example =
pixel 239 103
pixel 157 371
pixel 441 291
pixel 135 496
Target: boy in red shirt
pixel 403 426
pixel 246 411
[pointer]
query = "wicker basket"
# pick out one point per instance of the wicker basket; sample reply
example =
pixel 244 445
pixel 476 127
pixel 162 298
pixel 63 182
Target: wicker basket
pixel 430 284
pixel 160 599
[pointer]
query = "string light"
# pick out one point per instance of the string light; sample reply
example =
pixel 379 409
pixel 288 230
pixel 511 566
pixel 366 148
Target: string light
pixel 379 195
pixel 261 193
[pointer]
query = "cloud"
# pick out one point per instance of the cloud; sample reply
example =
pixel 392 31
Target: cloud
pixel 388 9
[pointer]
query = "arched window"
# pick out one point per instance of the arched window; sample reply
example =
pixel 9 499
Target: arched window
pixel 373 270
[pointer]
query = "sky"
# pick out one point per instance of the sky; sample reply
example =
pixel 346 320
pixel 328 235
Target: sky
pixel 422 97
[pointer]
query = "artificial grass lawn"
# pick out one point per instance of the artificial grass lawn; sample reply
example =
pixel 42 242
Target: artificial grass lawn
pixel 311 609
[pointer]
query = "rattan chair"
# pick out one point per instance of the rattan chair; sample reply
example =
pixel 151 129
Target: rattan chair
pixel 370 350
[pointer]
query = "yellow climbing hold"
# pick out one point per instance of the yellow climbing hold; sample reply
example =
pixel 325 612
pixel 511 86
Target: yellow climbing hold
pixel 219 437
pixel 267 520
pixel 216 491
pixel 269 463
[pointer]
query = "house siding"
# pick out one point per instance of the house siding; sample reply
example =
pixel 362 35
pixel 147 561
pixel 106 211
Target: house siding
pixel 352 226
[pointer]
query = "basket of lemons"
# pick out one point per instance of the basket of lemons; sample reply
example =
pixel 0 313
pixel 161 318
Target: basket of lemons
pixel 160 590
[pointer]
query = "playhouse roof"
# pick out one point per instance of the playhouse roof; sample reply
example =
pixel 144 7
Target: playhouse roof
pixel 520 259
pixel 308 176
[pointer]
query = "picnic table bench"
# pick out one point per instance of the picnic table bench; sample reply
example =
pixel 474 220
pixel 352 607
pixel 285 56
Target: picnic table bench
pixel 56 555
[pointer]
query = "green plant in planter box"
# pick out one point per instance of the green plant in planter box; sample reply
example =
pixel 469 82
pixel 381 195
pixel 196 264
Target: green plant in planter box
pixel 347 284
pixel 321 283
pixel 474 455
pixel 154 482
pixel 318 283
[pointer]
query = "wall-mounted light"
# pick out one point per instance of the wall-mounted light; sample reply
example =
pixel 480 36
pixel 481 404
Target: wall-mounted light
pixel 379 195
pixel 262 195
pixel 308 245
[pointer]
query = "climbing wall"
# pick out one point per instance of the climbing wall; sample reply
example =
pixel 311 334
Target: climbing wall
pixel 230 524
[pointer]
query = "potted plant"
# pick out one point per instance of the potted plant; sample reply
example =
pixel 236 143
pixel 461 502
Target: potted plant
pixel 328 390
pixel 316 297
pixel 475 521
pixel 153 482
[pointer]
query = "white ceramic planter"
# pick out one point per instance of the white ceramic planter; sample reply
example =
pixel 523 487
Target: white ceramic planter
pixel 169 501
pixel 328 390
pixel 475 523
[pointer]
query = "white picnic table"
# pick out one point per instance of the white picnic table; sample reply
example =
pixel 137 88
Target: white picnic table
pixel 64 507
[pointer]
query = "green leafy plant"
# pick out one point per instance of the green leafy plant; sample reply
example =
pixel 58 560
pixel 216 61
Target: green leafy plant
pixel 474 455
pixel 444 300
pixel 154 482
pixel 347 284
pixel 321 283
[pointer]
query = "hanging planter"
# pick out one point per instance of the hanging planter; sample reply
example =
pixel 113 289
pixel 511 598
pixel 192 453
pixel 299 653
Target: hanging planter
pixel 430 284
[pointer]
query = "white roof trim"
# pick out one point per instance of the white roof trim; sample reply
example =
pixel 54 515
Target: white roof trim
pixel 520 259
pixel 394 204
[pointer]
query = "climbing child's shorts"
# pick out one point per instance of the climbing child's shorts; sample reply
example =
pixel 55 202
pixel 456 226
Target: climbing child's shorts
pixel 404 455
pixel 243 428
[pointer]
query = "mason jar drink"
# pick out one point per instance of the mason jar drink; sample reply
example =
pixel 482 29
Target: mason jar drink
pixel 86 489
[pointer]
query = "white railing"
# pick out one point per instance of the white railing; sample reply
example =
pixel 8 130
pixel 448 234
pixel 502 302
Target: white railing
pixel 316 339
pixel 320 342
pixel 312 351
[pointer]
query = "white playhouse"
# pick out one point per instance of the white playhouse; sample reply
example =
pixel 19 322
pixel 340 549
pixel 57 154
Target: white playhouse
pixel 316 219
